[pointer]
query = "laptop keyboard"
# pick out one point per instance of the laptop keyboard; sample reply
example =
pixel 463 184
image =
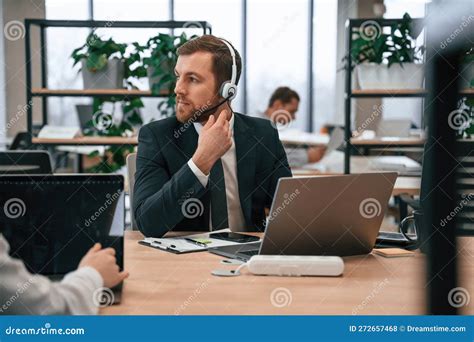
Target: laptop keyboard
pixel 250 252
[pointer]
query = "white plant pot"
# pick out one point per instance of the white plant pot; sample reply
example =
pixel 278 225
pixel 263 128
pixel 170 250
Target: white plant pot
pixel 110 77
pixel 167 67
pixel 380 76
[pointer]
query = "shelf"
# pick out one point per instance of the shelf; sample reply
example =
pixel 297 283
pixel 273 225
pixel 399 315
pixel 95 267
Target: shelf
pixel 399 92
pixel 469 91
pixel 388 93
pixel 95 92
pixel 88 141
pixel 388 142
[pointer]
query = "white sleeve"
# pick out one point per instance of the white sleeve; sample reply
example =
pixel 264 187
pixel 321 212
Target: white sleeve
pixel 203 179
pixel 24 293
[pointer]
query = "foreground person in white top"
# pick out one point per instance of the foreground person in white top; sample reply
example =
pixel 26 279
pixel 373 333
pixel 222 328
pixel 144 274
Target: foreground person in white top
pixel 24 293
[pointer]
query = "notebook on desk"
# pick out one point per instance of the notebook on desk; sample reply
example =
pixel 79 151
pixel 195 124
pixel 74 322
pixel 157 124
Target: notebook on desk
pixel 188 243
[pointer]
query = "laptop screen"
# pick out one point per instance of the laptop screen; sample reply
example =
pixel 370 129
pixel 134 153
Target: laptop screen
pixel 51 221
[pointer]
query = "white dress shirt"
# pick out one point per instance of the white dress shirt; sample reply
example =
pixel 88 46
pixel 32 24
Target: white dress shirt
pixel 26 294
pixel 229 165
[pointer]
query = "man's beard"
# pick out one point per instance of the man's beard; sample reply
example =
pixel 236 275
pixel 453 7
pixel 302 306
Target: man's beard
pixel 200 114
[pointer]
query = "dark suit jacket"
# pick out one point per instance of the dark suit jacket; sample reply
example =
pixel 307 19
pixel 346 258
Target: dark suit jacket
pixel 164 181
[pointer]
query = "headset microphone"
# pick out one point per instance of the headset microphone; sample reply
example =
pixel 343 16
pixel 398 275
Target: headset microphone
pixel 228 89
pixel 204 112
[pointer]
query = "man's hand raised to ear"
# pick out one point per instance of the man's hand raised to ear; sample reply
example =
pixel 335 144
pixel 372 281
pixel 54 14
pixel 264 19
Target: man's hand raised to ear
pixel 215 139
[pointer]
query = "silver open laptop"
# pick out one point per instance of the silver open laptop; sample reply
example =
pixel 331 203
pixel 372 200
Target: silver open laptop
pixel 327 215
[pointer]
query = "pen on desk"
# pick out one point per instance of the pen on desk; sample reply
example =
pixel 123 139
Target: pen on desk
pixel 160 244
pixel 200 244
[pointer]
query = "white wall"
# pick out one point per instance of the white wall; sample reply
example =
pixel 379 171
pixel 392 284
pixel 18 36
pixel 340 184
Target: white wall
pixel 13 14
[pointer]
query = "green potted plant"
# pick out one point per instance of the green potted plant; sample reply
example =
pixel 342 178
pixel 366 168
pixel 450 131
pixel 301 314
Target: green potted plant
pixel 156 61
pixel 467 103
pixel 107 123
pixel 387 60
pixel 102 62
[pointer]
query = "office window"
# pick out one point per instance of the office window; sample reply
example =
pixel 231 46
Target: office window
pixel 226 20
pixel 324 63
pixel 60 43
pixel 405 108
pixel 141 10
pixel 277 43
pixel 277 48
pixel 135 10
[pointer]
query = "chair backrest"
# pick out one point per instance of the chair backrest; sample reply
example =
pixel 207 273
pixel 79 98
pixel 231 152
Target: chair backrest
pixel 25 162
pixel 131 168
pixel 21 142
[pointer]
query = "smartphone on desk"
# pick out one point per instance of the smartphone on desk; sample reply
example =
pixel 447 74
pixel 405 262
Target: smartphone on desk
pixel 234 237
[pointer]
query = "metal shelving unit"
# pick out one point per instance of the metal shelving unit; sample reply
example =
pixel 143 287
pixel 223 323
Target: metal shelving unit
pixel 352 24
pixel 350 93
pixel 44 92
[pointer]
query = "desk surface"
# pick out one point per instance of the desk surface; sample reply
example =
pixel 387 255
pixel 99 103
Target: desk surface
pixel 302 138
pixel 170 284
pixel 88 140
pixel 388 141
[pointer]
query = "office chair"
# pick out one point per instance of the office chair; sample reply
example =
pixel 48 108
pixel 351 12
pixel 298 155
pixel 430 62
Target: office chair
pixel 25 162
pixel 131 168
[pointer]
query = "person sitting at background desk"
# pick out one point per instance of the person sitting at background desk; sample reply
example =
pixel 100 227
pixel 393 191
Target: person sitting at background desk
pixel 283 105
pixel 24 293
pixel 208 167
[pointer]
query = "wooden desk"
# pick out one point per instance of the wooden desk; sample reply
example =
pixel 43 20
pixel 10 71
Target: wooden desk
pixel 88 141
pixel 166 284
pixel 300 138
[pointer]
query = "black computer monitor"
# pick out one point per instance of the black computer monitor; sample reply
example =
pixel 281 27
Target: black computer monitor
pixel 51 221
pixel 25 162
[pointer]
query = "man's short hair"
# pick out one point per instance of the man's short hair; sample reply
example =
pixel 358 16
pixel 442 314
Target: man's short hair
pixel 221 57
pixel 284 94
